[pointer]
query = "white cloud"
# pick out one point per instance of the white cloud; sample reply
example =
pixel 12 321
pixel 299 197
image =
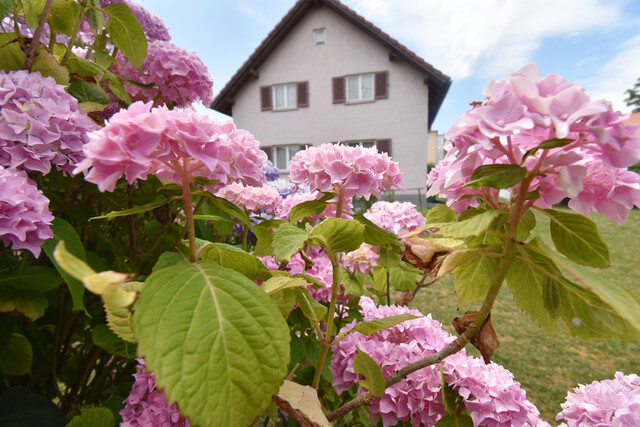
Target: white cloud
pixel 484 37
pixel 617 75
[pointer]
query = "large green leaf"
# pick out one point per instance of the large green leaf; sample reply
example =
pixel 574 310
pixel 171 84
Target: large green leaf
pixel 403 278
pixel 312 309
pixel 576 237
pixel 496 176
pixel 308 208
pixel 93 417
pixel 47 65
pixel 235 258
pixel 473 278
pixel 474 226
pixel 63 231
pixel 216 342
pixel 85 91
pixel 62 15
pixel 591 306
pixel 276 284
pixel 103 337
pixel 287 240
pixel 454 260
pixel 338 235
pixel 373 380
pixel 20 406
pixel 23 290
pixel 11 56
pixel 372 326
pixel 16 358
pixel 375 235
pixel 441 213
pixel 126 32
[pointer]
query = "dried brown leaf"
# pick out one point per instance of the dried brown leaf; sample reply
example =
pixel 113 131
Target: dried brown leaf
pixel 486 340
pixel 301 403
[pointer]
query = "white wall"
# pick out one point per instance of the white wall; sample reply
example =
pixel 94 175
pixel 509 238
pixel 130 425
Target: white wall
pixel 403 116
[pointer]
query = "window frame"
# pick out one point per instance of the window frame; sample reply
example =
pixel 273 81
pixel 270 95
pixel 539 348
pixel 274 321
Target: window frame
pixel 286 88
pixel 316 32
pixel 360 88
pixel 288 155
pixel 364 143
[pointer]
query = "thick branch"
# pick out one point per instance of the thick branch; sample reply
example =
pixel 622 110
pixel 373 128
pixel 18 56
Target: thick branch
pixel 35 41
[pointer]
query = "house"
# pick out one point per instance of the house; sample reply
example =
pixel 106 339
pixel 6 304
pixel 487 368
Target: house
pixel 325 74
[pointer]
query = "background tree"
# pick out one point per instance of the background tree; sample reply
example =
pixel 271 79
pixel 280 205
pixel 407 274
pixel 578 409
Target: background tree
pixel 633 97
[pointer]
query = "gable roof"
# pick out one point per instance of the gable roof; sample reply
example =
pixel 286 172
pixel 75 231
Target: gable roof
pixel 438 82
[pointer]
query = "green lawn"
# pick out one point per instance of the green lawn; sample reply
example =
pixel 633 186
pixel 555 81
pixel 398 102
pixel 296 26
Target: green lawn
pixel 545 370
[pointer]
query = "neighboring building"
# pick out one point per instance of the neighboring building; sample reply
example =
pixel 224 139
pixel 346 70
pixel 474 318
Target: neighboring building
pixel 325 74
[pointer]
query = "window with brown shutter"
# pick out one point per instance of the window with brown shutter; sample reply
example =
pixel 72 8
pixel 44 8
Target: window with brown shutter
pixel 268 151
pixel 303 94
pixel 265 98
pixel 384 146
pixel 382 85
pixel 339 95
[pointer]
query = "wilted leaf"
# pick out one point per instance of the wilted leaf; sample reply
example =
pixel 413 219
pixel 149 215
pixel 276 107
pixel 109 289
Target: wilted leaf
pixel 301 403
pixel 424 254
pixel 485 339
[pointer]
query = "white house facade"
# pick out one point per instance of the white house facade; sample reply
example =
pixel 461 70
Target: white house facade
pixel 325 74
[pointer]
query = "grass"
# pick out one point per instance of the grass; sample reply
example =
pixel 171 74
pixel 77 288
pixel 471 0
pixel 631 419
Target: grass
pixel 546 370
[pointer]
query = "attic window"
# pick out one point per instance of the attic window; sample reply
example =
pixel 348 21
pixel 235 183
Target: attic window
pixel 319 36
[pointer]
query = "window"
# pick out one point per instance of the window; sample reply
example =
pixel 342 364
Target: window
pixel 364 144
pixel 285 96
pixel 319 36
pixel 282 155
pixel 360 87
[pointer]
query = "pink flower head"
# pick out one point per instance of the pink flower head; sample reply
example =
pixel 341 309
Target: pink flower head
pixel 171 144
pixel 488 391
pixel 363 260
pixel 356 171
pixel 395 217
pixel 177 76
pixel 251 198
pixel 40 124
pixel 24 212
pixel 147 406
pixel 614 402
pixel 520 112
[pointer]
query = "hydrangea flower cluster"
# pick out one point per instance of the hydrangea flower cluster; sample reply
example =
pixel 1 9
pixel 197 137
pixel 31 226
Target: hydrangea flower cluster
pixel 146 406
pixel 356 171
pixel 270 171
pixel 178 77
pixel 24 212
pixel 152 25
pixel 303 196
pixel 171 144
pixel 587 163
pixel 395 217
pixel 489 391
pixel 613 402
pixel 40 124
pixel 252 198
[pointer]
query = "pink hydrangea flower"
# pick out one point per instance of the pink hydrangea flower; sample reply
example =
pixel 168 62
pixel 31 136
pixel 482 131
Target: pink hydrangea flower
pixel 147 406
pixel 24 212
pixel 520 112
pixel 40 124
pixel 363 260
pixel 251 198
pixel 171 144
pixel 178 77
pixel 489 391
pixel 614 402
pixel 355 170
pixel 395 217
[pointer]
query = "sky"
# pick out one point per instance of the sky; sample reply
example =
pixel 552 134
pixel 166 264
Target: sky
pixel 594 43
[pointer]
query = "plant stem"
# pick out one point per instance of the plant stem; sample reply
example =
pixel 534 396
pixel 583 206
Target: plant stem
pixel 245 235
pixel 74 31
pixel 326 343
pixel 188 211
pixel 35 41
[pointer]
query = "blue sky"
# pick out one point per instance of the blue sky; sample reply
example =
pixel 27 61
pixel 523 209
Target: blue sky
pixel 595 43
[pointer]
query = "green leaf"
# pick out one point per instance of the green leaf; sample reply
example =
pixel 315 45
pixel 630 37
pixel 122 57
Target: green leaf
pixel 353 283
pixel 496 176
pixel 82 67
pixel 32 11
pixel 473 278
pixel 93 417
pixel 20 406
pixel 276 284
pixel 119 317
pixel 372 326
pixel 549 143
pixel 236 259
pixel 454 260
pixel 138 209
pixel 126 32
pixel 312 309
pixel 576 237
pixel 11 56
pixel 308 208
pixel 402 278
pixel 226 206
pixel 374 235
pixel 118 89
pixel 104 338
pixel 373 380
pixel 526 224
pixel 168 259
pixel 95 17
pixel 85 91
pixel 49 66
pixel 32 279
pixel 455 420
pixel 338 235
pixel 287 241
pixel 285 299
pixel 63 231
pixel 16 358
pixel 232 342
pixel 441 213
pixel 62 16
pixel 473 226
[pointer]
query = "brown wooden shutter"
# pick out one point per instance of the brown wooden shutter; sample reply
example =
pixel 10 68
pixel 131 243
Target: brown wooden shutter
pixel 268 151
pixel 303 147
pixel 384 146
pixel 303 94
pixel 339 95
pixel 382 85
pixel 265 98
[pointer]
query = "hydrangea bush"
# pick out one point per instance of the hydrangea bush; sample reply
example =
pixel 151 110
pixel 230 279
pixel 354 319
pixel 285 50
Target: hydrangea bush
pixel 151 275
